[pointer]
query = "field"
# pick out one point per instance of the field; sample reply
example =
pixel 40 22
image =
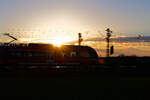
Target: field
pixel 75 85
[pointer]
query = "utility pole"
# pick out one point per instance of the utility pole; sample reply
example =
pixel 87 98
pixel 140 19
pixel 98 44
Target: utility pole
pixel 108 41
pixel 79 39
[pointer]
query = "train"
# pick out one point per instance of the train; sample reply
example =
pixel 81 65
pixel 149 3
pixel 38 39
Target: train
pixel 41 54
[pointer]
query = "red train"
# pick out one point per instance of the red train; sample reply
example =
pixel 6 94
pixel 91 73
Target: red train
pixel 35 54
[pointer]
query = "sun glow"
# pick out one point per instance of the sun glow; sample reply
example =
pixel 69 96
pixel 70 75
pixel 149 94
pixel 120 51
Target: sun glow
pixel 60 40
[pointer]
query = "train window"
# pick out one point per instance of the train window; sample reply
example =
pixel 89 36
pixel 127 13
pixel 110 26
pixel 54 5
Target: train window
pixel 63 54
pixel 68 54
pixel 73 54
pixel 13 54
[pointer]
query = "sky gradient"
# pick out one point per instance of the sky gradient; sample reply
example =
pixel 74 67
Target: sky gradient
pixel 123 16
pixel 43 20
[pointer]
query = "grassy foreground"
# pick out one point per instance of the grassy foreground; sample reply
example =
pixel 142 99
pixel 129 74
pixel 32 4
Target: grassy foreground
pixel 75 86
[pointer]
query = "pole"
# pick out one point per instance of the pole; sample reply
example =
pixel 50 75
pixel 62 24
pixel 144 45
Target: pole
pixel 108 41
pixel 79 39
pixel 107 48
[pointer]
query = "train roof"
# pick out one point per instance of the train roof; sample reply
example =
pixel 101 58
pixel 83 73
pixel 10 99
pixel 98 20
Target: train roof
pixel 39 44
pixel 77 47
pixel 24 44
pixel 42 46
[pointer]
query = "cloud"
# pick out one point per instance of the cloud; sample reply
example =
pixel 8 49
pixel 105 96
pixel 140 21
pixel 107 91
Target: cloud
pixel 123 39
pixel 126 52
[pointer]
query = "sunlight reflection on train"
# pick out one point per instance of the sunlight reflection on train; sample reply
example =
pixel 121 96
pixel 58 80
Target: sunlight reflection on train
pixel 59 67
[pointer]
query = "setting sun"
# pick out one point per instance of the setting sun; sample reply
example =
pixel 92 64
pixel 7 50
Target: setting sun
pixel 60 40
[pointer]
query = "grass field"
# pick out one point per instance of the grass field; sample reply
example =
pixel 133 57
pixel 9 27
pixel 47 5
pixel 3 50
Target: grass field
pixel 75 86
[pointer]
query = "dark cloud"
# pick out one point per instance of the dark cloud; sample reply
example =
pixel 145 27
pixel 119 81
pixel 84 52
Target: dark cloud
pixel 123 39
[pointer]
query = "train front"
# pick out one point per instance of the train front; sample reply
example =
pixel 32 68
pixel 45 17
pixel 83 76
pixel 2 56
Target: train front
pixel 75 55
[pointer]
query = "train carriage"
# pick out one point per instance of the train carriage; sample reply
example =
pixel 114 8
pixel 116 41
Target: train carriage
pixel 36 54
